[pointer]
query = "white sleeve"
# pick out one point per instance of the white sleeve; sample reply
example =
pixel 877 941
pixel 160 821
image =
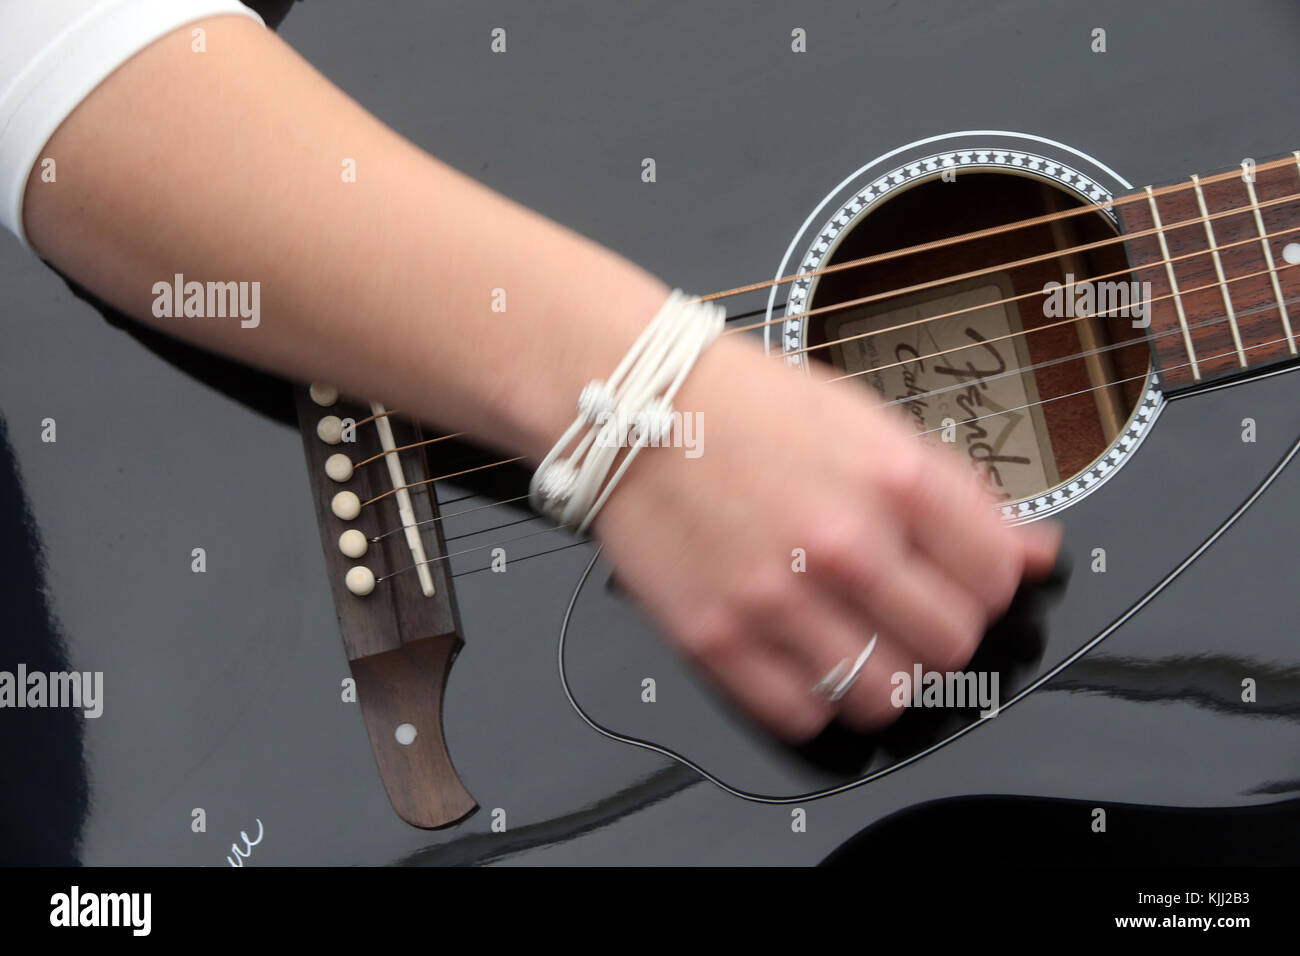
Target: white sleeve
pixel 53 53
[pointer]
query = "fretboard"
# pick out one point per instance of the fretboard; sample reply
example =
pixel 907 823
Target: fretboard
pixel 1222 255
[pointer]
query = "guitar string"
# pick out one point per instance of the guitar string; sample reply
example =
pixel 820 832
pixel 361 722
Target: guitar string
pixel 1024 333
pixel 945 315
pixel 1044 257
pixel 1148 196
pixel 389 413
pixel 1248 208
pixel 517 458
pixel 1047 363
pixel 527 557
pixel 416 444
pixel 454 474
pixel 499 527
pixel 1085 391
pixel 943 389
pixel 1143 196
pixel 496 504
pixel 1015 298
pixel 452 501
pixel 851 303
pixel 481 547
pixel 919 396
pixel 1055 254
pixel 1051 325
pixel 588 539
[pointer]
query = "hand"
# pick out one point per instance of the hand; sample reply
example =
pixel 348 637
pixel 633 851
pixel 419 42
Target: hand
pixel 901 539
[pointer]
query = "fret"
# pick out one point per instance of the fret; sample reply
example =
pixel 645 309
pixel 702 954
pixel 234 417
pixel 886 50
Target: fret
pixel 1268 257
pixel 1173 285
pixel 1218 270
pixel 1216 255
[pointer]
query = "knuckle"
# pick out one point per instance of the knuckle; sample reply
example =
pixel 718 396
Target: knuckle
pixel 767 596
pixel 907 479
pixel 837 549
pixel 713 635
pixel 962 643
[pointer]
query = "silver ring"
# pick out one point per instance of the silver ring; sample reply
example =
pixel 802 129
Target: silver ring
pixel 837 683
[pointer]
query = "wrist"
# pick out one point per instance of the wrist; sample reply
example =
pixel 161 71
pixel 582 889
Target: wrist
pixel 624 412
pixel 591 342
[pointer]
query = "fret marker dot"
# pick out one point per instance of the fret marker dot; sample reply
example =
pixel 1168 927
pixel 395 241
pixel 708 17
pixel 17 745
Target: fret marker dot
pixel 330 429
pixel 338 467
pixel 346 505
pixel 353 543
pixel 323 394
pixel 360 580
pixel 405 734
pixel 1291 253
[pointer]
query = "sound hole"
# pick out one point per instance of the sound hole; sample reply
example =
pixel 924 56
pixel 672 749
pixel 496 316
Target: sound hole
pixel 1027 391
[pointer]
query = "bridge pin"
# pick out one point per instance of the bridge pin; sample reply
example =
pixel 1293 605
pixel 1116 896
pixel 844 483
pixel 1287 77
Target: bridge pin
pixel 330 429
pixel 346 505
pixel 323 394
pixel 353 543
pixel 360 580
pixel 338 467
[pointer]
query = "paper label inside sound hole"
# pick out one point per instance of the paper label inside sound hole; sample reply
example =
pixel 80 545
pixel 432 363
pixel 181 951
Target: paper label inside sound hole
pixel 999 425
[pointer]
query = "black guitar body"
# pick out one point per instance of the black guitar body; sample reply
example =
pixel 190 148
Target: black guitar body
pixel 1156 679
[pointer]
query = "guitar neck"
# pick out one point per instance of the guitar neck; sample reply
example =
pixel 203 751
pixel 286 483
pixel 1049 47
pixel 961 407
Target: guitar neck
pixel 1217 258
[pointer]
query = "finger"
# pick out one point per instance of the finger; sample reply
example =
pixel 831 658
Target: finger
pixel 911 600
pixel 1041 543
pixel 767 683
pixel 953 521
pixel 828 636
pixel 870 704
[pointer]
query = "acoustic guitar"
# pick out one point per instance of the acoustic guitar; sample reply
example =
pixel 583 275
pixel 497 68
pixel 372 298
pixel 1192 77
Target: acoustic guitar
pixel 1112 355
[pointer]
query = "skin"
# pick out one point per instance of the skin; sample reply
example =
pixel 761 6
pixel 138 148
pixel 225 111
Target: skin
pixel 225 165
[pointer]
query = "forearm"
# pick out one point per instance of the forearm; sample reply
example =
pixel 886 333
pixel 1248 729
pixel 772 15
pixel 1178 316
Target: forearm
pixel 227 166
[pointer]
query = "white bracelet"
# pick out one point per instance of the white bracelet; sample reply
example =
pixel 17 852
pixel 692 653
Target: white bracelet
pixel 638 395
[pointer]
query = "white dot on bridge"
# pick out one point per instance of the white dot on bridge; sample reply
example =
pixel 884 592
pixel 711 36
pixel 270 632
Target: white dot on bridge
pixel 1291 253
pixel 405 734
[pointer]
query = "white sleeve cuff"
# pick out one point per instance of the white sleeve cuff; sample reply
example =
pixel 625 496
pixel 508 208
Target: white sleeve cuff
pixel 53 53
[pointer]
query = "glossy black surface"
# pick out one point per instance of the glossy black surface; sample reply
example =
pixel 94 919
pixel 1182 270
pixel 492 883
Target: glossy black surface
pixel 222 690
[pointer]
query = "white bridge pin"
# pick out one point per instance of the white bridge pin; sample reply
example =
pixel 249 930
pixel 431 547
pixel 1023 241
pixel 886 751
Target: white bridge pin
pixel 405 734
pixel 346 505
pixel 323 394
pixel 353 543
pixel 360 580
pixel 330 429
pixel 338 466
